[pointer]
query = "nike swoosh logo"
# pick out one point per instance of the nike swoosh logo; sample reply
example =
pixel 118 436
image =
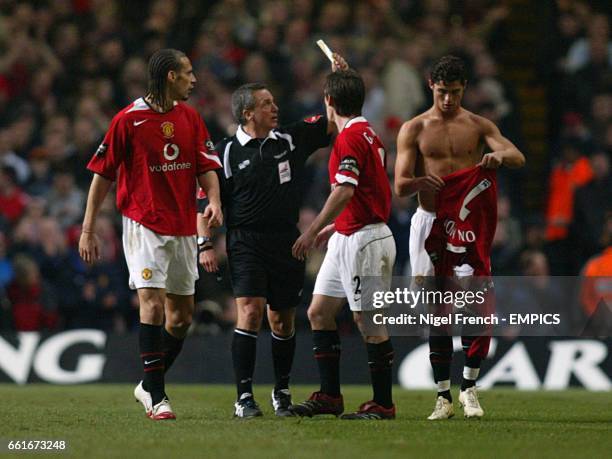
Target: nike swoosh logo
pixel 151 361
pixel 281 155
pixel 138 123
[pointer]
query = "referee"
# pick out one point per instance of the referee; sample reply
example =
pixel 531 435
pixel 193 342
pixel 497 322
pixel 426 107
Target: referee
pixel 262 188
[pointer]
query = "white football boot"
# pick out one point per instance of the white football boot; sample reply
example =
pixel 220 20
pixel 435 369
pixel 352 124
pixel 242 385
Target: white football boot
pixel 443 410
pixel 469 401
pixel 162 411
pixel 143 397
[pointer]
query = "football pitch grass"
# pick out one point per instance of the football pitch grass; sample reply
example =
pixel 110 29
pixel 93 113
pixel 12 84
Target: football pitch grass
pixel 105 421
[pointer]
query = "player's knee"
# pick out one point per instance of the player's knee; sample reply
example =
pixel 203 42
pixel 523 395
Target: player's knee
pixel 250 316
pixel 318 317
pixel 152 311
pixel 179 324
pixel 281 328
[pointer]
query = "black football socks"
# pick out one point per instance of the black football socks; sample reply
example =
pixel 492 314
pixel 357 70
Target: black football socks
pixel 440 356
pixel 152 355
pixel 380 361
pixel 327 353
pixel 283 350
pixel 244 351
pixel 172 347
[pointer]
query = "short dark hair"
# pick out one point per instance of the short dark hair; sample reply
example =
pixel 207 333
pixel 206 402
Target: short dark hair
pixel 243 99
pixel 347 91
pixel 161 62
pixel 449 69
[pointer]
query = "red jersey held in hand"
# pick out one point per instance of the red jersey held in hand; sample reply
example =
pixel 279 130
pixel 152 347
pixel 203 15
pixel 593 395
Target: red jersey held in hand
pixel 465 222
pixel 358 158
pixel 156 158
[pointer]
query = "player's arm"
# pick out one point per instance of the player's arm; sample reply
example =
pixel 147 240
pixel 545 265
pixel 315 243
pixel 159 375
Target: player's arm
pixel 504 152
pixel 406 184
pixel 88 242
pixel 210 184
pixel 335 204
pixel 206 254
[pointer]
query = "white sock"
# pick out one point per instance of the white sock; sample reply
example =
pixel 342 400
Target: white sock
pixel 444 385
pixel 470 373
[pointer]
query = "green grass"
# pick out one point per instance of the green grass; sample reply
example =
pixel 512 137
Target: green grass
pixel 104 421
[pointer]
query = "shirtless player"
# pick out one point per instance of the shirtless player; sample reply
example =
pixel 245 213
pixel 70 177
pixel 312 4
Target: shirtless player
pixel 446 139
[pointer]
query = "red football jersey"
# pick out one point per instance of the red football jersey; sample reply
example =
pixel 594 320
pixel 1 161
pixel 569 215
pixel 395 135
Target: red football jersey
pixel 155 158
pixel 465 222
pixel 359 158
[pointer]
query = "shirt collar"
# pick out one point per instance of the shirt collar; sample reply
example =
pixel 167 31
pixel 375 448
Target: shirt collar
pixel 244 138
pixel 359 119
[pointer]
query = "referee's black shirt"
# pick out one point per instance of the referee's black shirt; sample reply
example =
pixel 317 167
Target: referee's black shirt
pixel 262 179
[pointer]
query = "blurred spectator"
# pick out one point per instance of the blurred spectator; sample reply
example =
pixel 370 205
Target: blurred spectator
pixel 9 158
pixel 581 53
pixel 535 292
pixel 596 287
pixel 571 171
pixel 66 201
pixel 33 306
pixel 403 82
pixel 6 266
pixel 507 240
pixel 592 203
pixel 12 199
pixel 41 176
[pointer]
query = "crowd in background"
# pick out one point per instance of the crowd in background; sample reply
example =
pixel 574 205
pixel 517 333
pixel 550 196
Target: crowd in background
pixel 67 66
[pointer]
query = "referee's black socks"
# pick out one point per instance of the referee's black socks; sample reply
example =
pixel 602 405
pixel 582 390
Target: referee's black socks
pixel 283 350
pixel 244 350
pixel 327 353
pixel 152 355
pixel 380 361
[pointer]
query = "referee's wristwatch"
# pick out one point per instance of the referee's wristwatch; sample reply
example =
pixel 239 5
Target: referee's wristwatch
pixel 204 243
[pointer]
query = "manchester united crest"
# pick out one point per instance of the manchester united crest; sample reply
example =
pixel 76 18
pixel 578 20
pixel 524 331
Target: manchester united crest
pixel 147 274
pixel 167 129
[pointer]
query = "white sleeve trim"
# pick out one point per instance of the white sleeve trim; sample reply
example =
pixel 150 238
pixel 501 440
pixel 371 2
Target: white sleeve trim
pixel 213 158
pixel 226 164
pixel 345 179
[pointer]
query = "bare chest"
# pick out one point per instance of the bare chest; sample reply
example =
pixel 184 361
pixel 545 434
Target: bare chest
pixel 450 141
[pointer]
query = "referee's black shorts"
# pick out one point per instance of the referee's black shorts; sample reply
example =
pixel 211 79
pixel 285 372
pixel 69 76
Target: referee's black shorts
pixel 261 265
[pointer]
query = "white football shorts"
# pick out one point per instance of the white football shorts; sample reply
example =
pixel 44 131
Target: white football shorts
pixel 157 261
pixel 368 253
pixel 420 227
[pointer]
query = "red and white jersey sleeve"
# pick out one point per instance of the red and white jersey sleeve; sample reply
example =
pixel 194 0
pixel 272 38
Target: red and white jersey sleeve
pixel 350 158
pixel 111 153
pixel 208 159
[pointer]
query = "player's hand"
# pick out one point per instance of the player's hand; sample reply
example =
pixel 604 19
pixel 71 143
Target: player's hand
pixel 492 160
pixel 303 245
pixel 208 260
pixel 89 247
pixel 214 215
pixel 430 182
pixel 324 235
pixel 339 63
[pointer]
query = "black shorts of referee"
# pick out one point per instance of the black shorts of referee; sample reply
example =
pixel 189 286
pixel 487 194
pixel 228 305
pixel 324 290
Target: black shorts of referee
pixel 261 265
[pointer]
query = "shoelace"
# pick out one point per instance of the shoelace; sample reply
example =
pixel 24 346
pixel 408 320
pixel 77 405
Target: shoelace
pixel 472 399
pixel 439 404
